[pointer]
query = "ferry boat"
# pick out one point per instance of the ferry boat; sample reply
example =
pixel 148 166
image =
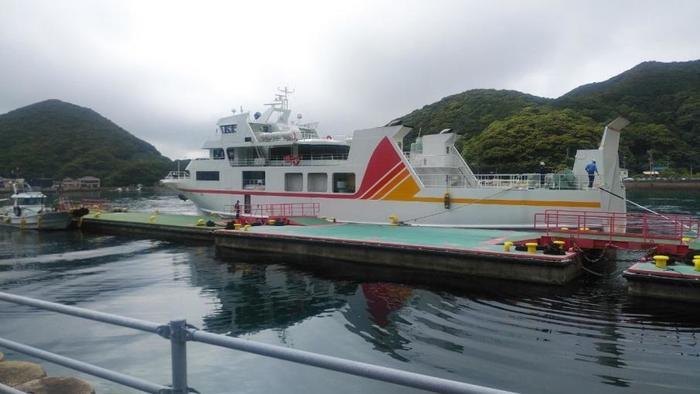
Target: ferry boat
pixel 28 211
pixel 269 158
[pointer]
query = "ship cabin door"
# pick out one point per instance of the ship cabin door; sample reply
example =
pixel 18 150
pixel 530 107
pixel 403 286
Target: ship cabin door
pixel 246 204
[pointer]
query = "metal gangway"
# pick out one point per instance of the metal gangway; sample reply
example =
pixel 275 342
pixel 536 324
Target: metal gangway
pixel 667 233
pixel 178 332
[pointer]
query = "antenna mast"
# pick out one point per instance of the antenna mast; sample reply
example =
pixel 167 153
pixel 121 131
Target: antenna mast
pixel 283 98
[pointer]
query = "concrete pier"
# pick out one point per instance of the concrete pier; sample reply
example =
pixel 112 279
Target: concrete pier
pixel 675 283
pixel 437 251
pixel 157 225
pixel 464 252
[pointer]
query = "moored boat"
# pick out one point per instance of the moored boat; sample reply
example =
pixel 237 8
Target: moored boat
pixel 28 211
pixel 269 159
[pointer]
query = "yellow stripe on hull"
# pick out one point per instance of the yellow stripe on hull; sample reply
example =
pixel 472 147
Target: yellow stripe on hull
pixel 534 203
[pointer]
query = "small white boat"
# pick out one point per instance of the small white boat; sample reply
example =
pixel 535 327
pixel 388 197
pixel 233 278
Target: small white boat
pixel 28 211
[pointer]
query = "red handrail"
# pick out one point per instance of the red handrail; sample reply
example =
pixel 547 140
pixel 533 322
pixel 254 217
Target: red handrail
pixel 638 225
pixel 294 209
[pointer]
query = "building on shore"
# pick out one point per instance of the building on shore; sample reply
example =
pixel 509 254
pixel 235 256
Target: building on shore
pixel 89 182
pixel 70 184
pixel 6 184
pixel 84 183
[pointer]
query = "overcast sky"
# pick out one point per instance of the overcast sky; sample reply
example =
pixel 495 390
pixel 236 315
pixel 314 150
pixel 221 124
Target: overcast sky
pixel 166 71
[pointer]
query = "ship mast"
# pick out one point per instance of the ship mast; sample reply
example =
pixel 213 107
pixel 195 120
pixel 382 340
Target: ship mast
pixel 283 98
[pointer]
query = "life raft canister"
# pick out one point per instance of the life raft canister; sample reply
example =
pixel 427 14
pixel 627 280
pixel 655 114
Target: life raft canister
pixel 446 200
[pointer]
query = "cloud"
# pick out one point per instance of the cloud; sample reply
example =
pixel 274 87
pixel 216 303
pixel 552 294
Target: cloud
pixel 167 70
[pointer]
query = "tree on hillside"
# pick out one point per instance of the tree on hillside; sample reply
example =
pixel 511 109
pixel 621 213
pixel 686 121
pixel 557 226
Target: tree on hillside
pixel 520 142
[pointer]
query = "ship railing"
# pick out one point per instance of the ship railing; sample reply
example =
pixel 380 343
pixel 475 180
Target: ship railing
pixel 444 180
pixel 292 160
pixel 179 333
pixel 647 227
pixel 419 160
pixel 178 175
pixel 507 181
pixel 548 181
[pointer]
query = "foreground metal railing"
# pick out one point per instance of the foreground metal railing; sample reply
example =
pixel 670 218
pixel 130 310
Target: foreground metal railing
pixel 179 333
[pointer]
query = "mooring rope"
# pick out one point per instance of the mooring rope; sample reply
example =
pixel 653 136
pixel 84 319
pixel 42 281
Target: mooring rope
pixel 625 199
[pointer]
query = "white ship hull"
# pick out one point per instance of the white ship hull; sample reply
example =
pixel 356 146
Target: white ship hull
pixel 511 210
pixel 42 221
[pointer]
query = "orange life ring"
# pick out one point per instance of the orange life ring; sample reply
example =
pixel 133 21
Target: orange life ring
pixel 292 159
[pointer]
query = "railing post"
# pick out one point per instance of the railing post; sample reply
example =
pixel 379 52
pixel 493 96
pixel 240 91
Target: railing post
pixel 178 354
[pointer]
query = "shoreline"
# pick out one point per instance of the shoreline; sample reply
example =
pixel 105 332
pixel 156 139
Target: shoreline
pixel 662 184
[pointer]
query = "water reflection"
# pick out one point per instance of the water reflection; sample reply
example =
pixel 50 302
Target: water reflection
pixel 586 337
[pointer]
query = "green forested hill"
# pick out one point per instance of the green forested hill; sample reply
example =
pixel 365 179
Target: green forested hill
pixel 513 131
pixel 54 139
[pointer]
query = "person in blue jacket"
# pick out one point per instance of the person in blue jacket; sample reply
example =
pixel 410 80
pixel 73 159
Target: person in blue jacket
pixel 591 169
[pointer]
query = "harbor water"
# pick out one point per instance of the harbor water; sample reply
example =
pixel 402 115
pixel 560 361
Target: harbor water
pixel 586 337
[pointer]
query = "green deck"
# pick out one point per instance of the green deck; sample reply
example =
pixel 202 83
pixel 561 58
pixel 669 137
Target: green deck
pixel 454 238
pixel 683 269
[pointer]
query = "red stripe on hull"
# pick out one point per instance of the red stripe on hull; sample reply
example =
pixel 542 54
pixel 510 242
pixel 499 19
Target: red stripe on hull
pixel 383 159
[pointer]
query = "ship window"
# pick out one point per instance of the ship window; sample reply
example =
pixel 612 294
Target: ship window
pixel 318 182
pixel 217 154
pixel 293 182
pixel 228 128
pixel 207 175
pixel 29 201
pixel 231 153
pixel 343 182
pixel 254 180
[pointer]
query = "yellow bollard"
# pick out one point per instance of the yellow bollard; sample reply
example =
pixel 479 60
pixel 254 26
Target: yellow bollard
pixel 507 245
pixel 531 247
pixel 246 227
pixel 236 226
pixel 271 222
pixel 97 214
pixel 564 229
pixel 696 263
pixel 393 220
pixel 559 244
pixel 583 228
pixel 152 219
pixel 685 240
pixel 200 222
pixel 660 261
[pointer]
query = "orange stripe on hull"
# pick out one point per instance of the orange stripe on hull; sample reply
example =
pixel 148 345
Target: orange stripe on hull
pixel 390 185
pixel 533 203
pixel 404 191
